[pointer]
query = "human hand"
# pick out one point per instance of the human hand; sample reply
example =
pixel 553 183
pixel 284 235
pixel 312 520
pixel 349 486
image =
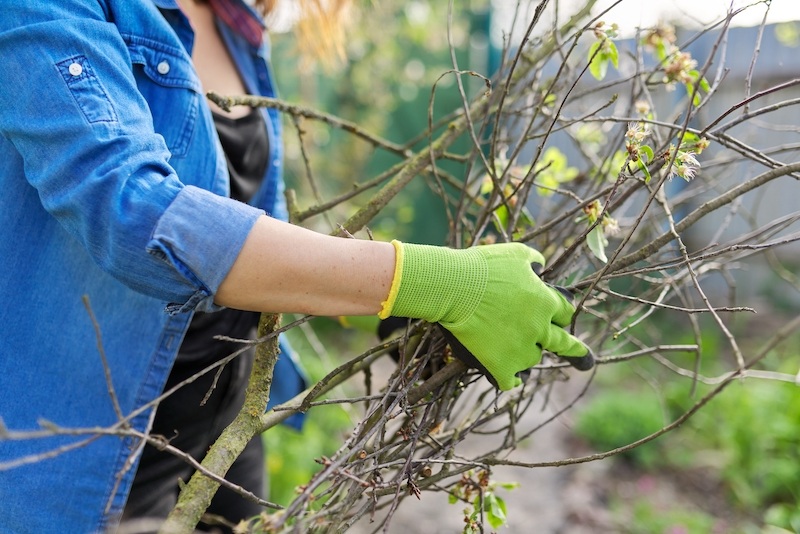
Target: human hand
pixel 490 300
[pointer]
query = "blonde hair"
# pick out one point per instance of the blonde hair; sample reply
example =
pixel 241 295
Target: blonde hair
pixel 320 29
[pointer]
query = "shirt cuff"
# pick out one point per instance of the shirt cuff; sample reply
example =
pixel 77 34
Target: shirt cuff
pixel 200 236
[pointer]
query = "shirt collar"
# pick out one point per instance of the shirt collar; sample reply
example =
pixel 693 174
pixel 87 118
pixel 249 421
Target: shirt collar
pixel 239 16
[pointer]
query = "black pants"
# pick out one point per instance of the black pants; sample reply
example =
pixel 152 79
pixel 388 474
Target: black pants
pixel 193 428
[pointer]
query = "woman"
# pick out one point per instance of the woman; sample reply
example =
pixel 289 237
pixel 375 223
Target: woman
pixel 195 415
pixel 116 195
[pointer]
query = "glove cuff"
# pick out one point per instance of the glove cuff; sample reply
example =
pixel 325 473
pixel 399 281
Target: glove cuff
pixel 437 284
pixel 388 304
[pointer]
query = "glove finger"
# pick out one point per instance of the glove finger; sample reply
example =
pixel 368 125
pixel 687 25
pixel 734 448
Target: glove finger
pixel 560 342
pixel 510 381
pixel 534 256
pixel 581 363
pixel 564 309
pixel 569 295
pixel 504 381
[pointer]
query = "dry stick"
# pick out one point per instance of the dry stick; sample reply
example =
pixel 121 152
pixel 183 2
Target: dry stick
pixel 307 165
pixel 749 78
pixel 415 394
pixel 702 256
pixel 607 268
pixel 52 453
pixel 673 307
pixel 94 433
pixel 405 471
pixel 415 165
pixel 300 216
pixel 706 208
pixel 302 401
pixel 470 128
pixel 461 466
pixel 224 361
pixel 781 335
pixel 755 113
pixel 533 170
pixel 196 496
pixel 541 52
pixel 685 255
pixel 743 103
pixel 356 441
pixel 106 369
pixel 476 144
pixel 163 444
pixel 536 57
pixel 227 102
pixel 505 89
pixel 646 351
pixel 531 174
pixel 123 423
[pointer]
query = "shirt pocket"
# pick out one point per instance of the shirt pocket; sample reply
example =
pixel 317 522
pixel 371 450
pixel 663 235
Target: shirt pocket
pixel 89 93
pixel 169 84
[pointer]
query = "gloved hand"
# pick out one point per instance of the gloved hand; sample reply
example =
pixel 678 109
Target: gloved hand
pixel 489 299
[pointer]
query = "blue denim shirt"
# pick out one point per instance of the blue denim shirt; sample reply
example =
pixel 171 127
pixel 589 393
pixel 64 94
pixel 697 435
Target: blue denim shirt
pixel 114 186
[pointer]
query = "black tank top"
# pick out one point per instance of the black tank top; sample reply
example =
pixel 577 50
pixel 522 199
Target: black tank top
pixel 246 145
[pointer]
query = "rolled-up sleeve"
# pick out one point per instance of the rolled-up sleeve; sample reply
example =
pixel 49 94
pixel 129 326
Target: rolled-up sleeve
pixel 182 239
pixel 70 106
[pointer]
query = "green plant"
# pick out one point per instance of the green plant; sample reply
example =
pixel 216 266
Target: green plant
pixel 619 417
pixel 480 492
pixel 755 440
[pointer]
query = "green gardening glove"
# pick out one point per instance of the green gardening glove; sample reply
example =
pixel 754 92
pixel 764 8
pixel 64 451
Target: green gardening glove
pixel 489 298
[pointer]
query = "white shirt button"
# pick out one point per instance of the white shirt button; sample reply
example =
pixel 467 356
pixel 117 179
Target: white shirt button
pixel 163 67
pixel 76 69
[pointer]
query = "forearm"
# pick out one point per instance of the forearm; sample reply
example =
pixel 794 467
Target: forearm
pixel 287 268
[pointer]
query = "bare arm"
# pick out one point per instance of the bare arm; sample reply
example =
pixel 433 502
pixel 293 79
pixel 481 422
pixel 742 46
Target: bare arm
pixel 287 268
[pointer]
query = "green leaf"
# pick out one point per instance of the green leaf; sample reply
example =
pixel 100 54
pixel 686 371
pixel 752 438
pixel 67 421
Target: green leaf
pixel 645 170
pixel 597 242
pixel 502 216
pixel 661 51
pixel 696 99
pixel 496 510
pixel 690 138
pixel 487 186
pixel 599 61
pixel 647 151
pixel 452 499
pixel 553 169
pixel 704 85
pixel 612 53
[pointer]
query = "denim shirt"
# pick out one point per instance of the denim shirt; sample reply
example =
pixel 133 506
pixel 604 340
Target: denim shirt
pixel 114 187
